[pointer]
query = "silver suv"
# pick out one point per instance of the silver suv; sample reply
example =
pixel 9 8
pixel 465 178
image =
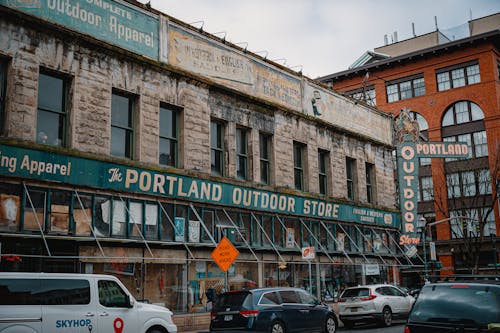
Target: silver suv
pixel 378 302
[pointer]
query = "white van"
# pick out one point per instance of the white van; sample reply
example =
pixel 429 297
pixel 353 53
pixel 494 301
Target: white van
pixel 75 303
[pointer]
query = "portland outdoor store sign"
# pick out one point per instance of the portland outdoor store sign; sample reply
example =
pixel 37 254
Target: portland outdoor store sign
pixel 36 164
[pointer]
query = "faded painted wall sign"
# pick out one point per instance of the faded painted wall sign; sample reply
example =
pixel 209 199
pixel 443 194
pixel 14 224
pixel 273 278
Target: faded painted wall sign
pixel 108 20
pixel 339 111
pixel 201 55
pixel 35 164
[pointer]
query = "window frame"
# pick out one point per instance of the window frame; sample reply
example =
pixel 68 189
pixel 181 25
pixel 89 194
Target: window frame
pixel 397 93
pixel 265 139
pixel 350 164
pixel 323 171
pixel 242 157
pixel 217 150
pixel 370 174
pixel 3 93
pixel 129 129
pixel 299 165
pixel 447 72
pixel 170 139
pixel 62 114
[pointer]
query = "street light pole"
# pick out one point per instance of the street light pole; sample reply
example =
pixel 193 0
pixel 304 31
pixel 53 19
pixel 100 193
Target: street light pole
pixel 422 226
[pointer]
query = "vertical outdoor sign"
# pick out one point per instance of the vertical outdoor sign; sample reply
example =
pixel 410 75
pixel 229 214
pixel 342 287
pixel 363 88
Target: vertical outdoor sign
pixel 409 150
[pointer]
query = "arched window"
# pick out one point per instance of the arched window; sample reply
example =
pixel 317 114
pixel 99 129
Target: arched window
pixel 423 126
pixel 462 122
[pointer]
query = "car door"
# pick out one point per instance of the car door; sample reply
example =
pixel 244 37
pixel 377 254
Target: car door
pixel 114 313
pixel 405 300
pixel 315 317
pixel 294 313
pixel 397 299
pixel 67 306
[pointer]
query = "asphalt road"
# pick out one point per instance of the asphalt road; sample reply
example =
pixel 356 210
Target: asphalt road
pixel 397 327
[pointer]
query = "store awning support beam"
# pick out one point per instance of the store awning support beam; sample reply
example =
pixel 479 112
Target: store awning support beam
pixel 325 251
pixel 387 248
pixel 284 228
pixel 37 220
pixel 354 243
pixel 202 224
pixel 135 224
pixel 173 226
pixel 268 238
pixel 367 240
pixel 89 223
pixel 239 233
pixel 336 242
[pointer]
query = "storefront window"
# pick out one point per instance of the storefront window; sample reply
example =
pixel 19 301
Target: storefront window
pixel 267 222
pixel 60 205
pixel 102 216
pixel 34 216
pixel 10 207
pixel 208 219
pixel 82 214
pixel 167 220
pixel 151 221
pixel 119 213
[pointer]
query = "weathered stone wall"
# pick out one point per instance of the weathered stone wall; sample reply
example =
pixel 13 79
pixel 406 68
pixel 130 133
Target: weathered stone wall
pixel 94 74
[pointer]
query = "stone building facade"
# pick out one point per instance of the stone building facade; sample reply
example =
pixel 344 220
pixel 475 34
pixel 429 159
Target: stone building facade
pixel 85 188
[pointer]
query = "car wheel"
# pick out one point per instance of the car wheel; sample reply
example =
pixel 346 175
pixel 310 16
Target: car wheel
pixel 348 324
pixel 277 327
pixel 330 325
pixel 386 316
pixel 155 330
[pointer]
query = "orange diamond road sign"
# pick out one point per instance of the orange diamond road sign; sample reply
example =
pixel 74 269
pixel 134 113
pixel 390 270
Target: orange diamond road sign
pixel 225 254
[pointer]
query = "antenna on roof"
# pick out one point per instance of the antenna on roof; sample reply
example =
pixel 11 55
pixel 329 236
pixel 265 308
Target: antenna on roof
pixel 265 57
pixel 413 29
pixel 436 22
pixel 246 45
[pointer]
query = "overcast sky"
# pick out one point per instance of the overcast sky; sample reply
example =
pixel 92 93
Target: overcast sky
pixel 324 36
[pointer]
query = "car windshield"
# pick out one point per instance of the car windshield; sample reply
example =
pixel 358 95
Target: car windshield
pixel 234 300
pixel 465 304
pixel 356 292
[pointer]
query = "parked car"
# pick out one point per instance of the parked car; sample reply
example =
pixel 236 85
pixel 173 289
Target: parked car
pixel 274 310
pixel 457 306
pixel 379 302
pixel 77 303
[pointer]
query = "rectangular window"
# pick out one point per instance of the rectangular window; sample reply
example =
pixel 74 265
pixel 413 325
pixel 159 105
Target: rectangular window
pixel 350 165
pixel 217 148
pixel 468 184
pixel 122 125
pixel 370 182
pixel 168 136
pixel 427 188
pixel 458 76
pixel 453 185
pixel 51 112
pixel 241 153
pixel 405 88
pixel 323 157
pixel 44 292
pixel 3 92
pixel 366 95
pixel 484 181
pixel 298 165
pixel 480 144
pixel 265 158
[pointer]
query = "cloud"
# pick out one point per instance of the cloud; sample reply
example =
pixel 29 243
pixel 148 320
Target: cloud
pixel 323 36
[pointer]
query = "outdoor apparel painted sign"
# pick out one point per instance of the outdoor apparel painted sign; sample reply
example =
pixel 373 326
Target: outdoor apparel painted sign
pixel 35 164
pixel 108 20
pixel 408 153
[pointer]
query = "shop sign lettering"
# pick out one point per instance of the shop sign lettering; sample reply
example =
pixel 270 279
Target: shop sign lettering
pixel 35 164
pixel 104 19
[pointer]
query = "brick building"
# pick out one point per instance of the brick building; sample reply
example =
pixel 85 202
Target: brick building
pixel 131 143
pixel 452 88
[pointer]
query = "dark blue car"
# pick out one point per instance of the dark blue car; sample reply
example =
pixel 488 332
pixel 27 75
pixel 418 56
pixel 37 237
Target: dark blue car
pixel 274 310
